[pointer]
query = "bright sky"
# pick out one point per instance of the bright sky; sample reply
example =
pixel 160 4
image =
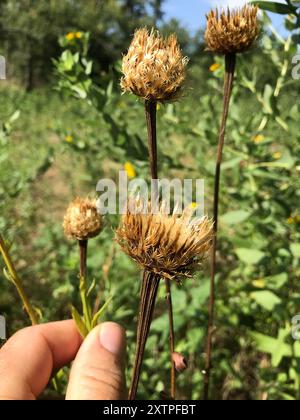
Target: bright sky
pixel 192 12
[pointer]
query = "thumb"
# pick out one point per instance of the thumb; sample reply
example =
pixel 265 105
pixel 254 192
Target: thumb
pixel 98 369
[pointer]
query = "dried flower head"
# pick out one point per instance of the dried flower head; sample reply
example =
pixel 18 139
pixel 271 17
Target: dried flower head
pixel 82 220
pixel 154 67
pixel 171 246
pixel 232 32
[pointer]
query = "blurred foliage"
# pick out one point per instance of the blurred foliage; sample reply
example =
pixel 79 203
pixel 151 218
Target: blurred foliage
pixel 29 30
pixel 55 145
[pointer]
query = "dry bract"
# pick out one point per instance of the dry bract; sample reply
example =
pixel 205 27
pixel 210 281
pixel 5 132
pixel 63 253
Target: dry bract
pixel 168 245
pixel 154 67
pixel 82 220
pixel 232 32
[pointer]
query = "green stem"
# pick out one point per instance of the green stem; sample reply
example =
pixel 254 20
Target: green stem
pixel 87 313
pixel 230 62
pixel 17 282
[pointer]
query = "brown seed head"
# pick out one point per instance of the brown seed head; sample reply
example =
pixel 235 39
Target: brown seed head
pixel 168 245
pixel 232 32
pixel 82 220
pixel 154 67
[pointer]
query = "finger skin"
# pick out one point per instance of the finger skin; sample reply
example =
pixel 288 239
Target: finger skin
pixel 28 359
pixel 98 372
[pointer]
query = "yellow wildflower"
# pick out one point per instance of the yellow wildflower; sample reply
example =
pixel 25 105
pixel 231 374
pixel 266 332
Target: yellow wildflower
pixel 130 170
pixel 69 138
pixel 291 220
pixel 259 138
pixel 78 35
pixel 194 205
pixel 214 67
pixel 70 36
pixel 277 155
pixel 259 283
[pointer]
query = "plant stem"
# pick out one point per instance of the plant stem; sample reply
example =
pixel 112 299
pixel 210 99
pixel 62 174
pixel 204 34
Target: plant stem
pixel 230 61
pixel 27 305
pixel 149 290
pixel 83 244
pixel 150 110
pixel 172 339
pixel 17 282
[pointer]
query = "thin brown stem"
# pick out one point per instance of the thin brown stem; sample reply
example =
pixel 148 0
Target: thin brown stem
pixel 150 110
pixel 172 339
pixel 230 61
pixel 149 290
pixel 83 257
pixel 15 279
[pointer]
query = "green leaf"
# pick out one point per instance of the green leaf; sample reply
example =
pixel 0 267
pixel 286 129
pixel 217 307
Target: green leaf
pixel 88 68
pixel 250 256
pixel 160 324
pixel 268 300
pixel 79 322
pixel 14 116
pixel 271 6
pixel 201 294
pixel 268 99
pixel 276 347
pixel 179 300
pixel 277 281
pixel 235 217
pixel 7 275
pixel 232 163
pixel 91 288
pixel 100 312
pixel 295 248
pixel 67 59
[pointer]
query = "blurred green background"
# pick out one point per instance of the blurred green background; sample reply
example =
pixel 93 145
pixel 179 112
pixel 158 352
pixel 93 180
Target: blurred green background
pixel 65 125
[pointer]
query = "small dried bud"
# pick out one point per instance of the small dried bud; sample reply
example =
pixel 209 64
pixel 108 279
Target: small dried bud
pixel 232 32
pixel 167 245
pixel 179 361
pixel 82 220
pixel 154 67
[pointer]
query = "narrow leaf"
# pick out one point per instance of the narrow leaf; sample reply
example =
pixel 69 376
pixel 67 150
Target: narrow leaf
pixel 79 322
pixel 100 312
pixel 271 6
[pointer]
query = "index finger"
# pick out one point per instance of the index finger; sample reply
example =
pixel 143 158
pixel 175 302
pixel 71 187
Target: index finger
pixel 28 359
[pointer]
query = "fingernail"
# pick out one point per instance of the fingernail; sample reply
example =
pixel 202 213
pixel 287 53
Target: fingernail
pixel 112 338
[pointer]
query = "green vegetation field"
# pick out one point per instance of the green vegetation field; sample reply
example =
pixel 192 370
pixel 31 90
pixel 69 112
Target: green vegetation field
pixel 59 139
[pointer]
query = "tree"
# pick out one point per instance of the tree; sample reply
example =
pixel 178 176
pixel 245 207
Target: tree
pixel 30 30
pixel 158 13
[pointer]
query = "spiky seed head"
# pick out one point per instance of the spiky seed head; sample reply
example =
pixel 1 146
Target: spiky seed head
pixel 154 67
pixel 82 220
pixel 171 246
pixel 233 31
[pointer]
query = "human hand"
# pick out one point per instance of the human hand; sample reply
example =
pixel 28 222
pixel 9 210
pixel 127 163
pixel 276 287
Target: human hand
pixel 29 358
